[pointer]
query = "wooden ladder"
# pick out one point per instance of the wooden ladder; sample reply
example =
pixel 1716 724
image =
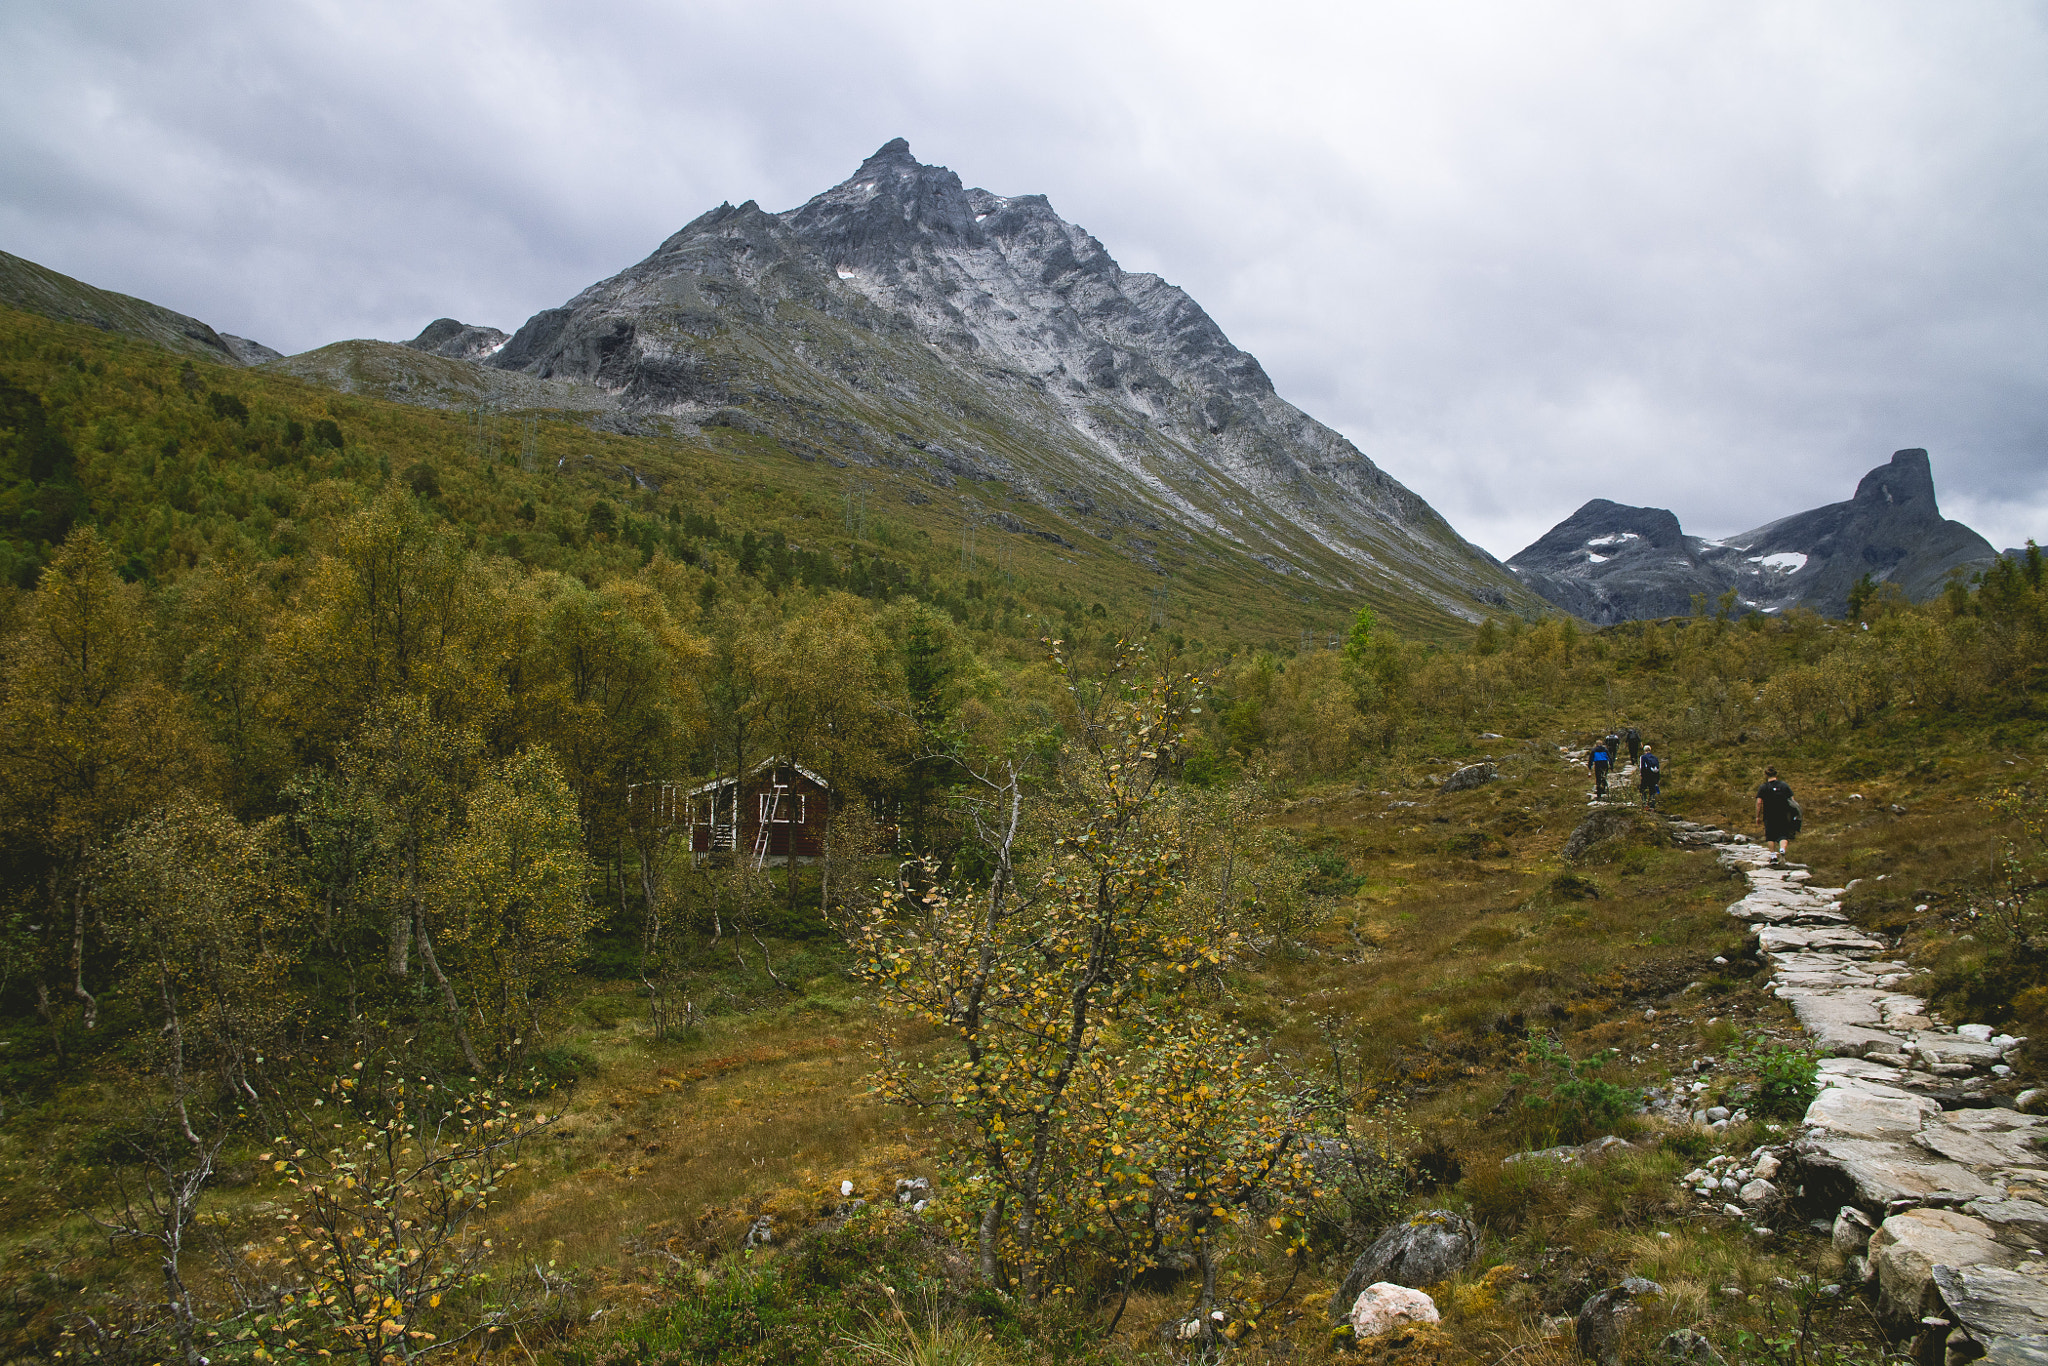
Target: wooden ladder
pixel 767 824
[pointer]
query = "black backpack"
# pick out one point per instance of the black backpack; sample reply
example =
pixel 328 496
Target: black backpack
pixel 1649 766
pixel 1798 816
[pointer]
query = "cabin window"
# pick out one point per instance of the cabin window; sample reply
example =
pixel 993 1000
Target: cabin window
pixel 789 810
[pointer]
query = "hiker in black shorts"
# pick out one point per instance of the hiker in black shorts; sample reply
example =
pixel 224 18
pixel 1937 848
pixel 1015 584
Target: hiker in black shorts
pixel 1649 778
pixel 1599 762
pixel 1775 811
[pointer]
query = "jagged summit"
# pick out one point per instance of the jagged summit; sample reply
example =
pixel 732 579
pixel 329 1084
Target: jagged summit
pixel 902 318
pixel 1607 562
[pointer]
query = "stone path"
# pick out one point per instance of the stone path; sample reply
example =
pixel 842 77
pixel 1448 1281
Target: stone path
pixel 1936 1194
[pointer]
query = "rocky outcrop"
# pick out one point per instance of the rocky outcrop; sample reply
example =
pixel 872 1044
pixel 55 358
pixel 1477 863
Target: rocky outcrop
pixel 458 341
pixel 1609 562
pixel 903 319
pixel 248 352
pixel 1469 777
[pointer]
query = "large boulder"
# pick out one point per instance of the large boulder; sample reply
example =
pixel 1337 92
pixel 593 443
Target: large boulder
pixel 1601 1318
pixel 1470 776
pixel 1610 826
pixel 1427 1248
pixel 1908 1246
pixel 1382 1307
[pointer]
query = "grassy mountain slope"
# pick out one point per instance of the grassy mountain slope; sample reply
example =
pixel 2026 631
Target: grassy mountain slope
pixel 37 289
pixel 181 463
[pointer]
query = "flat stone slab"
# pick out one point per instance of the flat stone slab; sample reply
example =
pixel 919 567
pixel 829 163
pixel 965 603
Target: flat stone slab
pixel 1775 913
pixel 1842 939
pixel 1956 1048
pixel 1870 1111
pixel 2023 1223
pixel 1907 1247
pixel 2002 1139
pixel 1874 1172
pixel 1992 1302
pixel 1843 1022
pixel 1837 1071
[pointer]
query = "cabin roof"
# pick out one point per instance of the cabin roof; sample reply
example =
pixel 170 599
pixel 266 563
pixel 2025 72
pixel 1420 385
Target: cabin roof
pixel 773 762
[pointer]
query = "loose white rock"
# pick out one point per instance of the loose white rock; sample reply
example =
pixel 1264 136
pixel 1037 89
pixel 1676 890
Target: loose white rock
pixel 1383 1306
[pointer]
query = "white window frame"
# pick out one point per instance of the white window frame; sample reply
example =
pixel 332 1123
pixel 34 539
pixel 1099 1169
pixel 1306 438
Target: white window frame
pixel 790 812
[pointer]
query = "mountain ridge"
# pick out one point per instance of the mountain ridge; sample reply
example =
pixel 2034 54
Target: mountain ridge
pixel 1610 562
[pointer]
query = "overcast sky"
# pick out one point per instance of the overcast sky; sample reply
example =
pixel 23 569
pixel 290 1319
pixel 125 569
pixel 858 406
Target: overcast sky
pixel 1719 257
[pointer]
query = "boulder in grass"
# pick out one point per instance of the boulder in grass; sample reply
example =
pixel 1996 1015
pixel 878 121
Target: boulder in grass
pixel 1687 1348
pixel 1470 776
pixel 1421 1250
pixel 1611 826
pixel 1601 1318
pixel 1383 1307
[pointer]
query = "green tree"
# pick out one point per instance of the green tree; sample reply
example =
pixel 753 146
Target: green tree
pixel 90 738
pixel 211 920
pixel 406 775
pixel 509 893
pixel 399 609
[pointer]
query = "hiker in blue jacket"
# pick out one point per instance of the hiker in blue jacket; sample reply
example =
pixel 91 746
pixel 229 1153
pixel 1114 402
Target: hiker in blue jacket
pixel 1599 762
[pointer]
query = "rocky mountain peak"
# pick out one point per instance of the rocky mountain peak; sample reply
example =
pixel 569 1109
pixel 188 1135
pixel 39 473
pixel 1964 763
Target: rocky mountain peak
pixel 1907 482
pixel 901 311
pixel 1601 525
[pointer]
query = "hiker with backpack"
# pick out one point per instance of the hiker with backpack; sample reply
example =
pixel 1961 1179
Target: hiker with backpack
pixel 1601 759
pixel 1649 777
pixel 1633 738
pixel 1777 811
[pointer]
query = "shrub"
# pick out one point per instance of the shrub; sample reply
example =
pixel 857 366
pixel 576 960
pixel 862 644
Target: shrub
pixel 1787 1078
pixel 1565 1101
pixel 1575 887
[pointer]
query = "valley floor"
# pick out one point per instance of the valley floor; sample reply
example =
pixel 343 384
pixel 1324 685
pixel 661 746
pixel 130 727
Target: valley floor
pixel 1453 928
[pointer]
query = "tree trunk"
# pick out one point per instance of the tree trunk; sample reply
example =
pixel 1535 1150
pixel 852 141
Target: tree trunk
pixel 448 996
pixel 991 1222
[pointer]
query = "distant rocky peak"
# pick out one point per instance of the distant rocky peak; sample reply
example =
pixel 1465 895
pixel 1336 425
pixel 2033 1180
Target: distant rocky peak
pixel 1603 529
pixel 458 340
pixel 1908 481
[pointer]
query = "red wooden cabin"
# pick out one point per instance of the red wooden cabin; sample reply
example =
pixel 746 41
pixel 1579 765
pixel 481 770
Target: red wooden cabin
pixel 777 813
